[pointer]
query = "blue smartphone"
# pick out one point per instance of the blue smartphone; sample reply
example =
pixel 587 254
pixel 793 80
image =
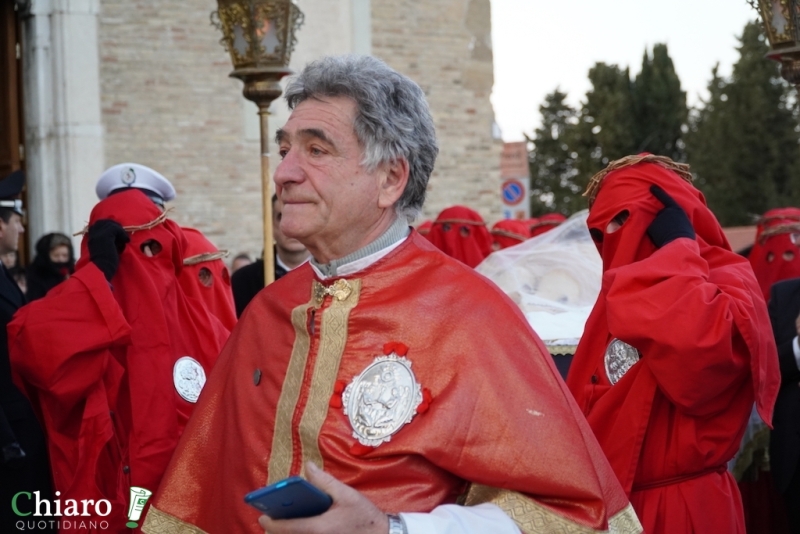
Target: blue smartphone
pixel 289 498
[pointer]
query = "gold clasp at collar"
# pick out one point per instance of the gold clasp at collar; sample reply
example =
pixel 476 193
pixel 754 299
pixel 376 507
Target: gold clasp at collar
pixel 339 290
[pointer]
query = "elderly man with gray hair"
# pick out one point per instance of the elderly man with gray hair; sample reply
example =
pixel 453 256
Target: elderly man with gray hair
pixel 392 377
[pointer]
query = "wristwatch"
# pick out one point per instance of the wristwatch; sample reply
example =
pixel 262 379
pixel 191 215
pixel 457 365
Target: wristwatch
pixel 397 525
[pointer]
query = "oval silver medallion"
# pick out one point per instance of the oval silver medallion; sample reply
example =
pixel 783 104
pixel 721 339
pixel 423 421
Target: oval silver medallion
pixel 189 378
pixel 620 357
pixel 382 399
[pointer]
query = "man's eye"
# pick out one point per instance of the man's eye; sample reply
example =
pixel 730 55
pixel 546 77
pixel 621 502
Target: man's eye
pixel 596 234
pixel 316 151
pixel 282 152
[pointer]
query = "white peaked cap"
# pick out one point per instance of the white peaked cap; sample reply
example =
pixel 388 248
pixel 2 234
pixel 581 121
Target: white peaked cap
pixel 127 175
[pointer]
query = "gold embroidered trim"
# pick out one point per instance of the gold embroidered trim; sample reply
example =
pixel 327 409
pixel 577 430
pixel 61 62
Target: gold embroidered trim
pixel 158 522
pixel 681 169
pixel 205 256
pixel 333 336
pixel 531 517
pixel 280 458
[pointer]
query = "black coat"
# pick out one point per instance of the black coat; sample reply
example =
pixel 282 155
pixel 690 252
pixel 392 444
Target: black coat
pixel 784 449
pixel 248 281
pixel 18 423
pixel 43 275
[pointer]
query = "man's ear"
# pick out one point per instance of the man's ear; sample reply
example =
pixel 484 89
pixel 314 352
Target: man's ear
pixel 393 182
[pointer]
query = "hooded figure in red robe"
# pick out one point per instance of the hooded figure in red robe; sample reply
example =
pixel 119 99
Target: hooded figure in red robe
pixel 676 350
pixel 461 233
pixel 775 255
pixel 115 358
pixel 206 278
pixel 545 223
pixel 509 232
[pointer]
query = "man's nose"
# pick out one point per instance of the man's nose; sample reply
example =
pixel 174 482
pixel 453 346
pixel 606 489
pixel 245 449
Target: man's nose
pixel 288 170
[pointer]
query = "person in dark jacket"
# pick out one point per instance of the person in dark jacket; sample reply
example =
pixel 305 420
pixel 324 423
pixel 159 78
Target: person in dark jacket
pixel 24 465
pixel 54 263
pixel 784 446
pixel 247 281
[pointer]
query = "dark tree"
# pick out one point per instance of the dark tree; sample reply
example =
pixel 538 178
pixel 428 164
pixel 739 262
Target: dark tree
pixel 660 106
pixel 553 187
pixel 743 143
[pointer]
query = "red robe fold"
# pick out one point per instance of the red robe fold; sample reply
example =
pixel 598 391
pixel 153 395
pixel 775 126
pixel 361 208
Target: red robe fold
pixel 98 363
pixel 694 311
pixel 215 292
pixel 499 414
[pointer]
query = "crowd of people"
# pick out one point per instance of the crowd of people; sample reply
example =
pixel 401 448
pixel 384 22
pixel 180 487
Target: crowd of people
pixel 380 366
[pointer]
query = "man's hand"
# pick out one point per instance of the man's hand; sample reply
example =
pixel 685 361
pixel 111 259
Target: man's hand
pixel 671 222
pixel 107 240
pixel 351 512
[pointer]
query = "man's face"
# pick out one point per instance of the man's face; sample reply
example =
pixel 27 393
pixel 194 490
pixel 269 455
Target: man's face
pixel 9 233
pixel 282 241
pixel 330 201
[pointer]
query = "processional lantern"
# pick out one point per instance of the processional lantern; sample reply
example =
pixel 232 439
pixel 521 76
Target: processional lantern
pixel 781 20
pixel 260 37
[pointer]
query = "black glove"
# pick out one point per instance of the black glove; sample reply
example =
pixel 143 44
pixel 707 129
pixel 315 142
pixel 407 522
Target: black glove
pixel 107 240
pixel 671 222
pixel 12 452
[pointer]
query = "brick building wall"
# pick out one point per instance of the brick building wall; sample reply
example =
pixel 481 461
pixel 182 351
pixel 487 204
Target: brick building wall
pixel 445 46
pixel 167 101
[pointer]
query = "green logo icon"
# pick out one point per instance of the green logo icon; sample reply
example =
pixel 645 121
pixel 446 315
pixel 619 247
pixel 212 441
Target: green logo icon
pixel 139 497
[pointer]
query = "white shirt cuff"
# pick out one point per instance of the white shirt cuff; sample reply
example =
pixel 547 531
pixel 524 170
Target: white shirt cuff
pixel 454 519
pixel 796 348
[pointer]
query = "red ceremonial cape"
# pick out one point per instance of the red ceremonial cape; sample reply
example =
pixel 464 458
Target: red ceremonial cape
pixel 215 292
pixel 775 255
pixel 694 312
pixel 461 233
pixel 509 232
pixel 494 412
pixel 98 363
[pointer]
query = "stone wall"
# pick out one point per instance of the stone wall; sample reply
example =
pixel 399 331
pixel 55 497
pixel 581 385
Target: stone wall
pixel 167 101
pixel 446 47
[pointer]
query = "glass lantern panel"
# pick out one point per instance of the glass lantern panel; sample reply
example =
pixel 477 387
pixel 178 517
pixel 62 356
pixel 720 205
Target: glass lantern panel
pixel 239 40
pixel 779 21
pixel 268 37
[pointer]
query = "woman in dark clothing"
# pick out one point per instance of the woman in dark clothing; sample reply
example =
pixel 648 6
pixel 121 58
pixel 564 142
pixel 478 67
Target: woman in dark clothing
pixel 54 263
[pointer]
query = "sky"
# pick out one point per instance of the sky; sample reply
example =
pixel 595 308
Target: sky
pixel 541 45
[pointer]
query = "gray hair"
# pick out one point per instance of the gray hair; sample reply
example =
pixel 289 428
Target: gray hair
pixel 392 116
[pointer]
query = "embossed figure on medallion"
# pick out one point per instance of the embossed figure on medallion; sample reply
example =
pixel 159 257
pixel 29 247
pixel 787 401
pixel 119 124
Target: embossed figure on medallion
pixel 382 399
pixel 620 357
pixel 189 378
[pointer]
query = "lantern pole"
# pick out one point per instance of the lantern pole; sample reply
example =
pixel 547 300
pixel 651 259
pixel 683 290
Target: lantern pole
pixel 259 35
pixel 780 20
pixel 263 88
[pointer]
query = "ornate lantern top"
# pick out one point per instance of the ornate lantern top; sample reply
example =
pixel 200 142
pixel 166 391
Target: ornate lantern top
pixel 258 34
pixel 781 20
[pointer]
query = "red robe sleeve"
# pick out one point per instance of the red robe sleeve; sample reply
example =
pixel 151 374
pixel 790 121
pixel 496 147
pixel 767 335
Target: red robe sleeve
pixel 70 374
pixel 688 326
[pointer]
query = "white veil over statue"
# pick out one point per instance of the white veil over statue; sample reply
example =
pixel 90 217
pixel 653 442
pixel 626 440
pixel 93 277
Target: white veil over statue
pixel 554 278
